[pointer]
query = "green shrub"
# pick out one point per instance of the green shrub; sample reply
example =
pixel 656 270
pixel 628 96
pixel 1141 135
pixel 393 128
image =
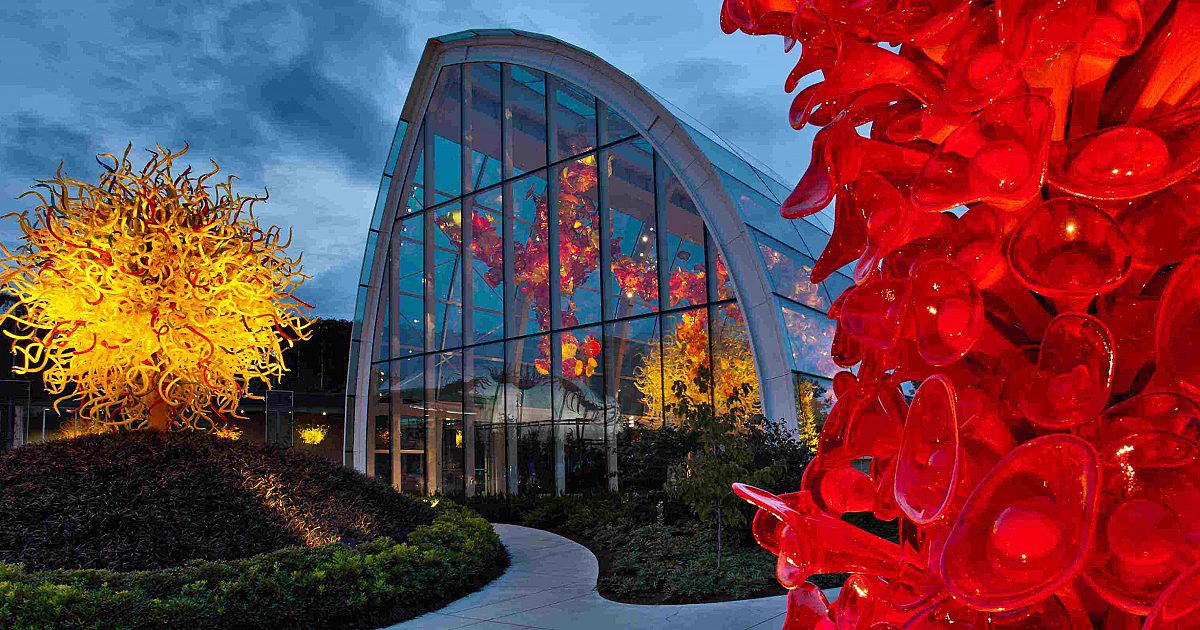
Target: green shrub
pixel 646 456
pixel 368 585
pixel 677 564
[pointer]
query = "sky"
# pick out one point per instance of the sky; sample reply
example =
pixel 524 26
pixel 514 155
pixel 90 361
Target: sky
pixel 302 97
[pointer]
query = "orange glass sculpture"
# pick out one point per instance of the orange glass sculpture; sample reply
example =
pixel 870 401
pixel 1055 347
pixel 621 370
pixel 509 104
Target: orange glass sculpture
pixel 1013 181
pixel 154 299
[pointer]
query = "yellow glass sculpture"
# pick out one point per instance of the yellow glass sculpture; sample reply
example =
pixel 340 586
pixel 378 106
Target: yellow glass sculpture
pixel 313 434
pixel 153 299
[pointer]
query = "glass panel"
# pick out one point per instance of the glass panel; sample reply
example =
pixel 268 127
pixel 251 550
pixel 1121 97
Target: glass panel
pixel 780 190
pixel 814 399
pixel 615 127
pixel 580 413
pixel 408 414
pixel 837 284
pixel 379 429
pixel 446 423
pixel 382 342
pixel 758 210
pixel 529 396
pixel 360 308
pixel 444 120
pixel 525 108
pixel 482 135
pixel 414 195
pixel 380 201
pixel 813 238
pixel 686 267
pixel 575 120
pixel 824 218
pixel 811 334
pixel 687 372
pixel 724 279
pixel 487 265
pixel 633 370
pixel 408 286
pixel 352 368
pixel 632 225
pixel 789 271
pixel 447 277
pixel 579 242
pixel 394 153
pixel 735 382
pixel 364 276
pixel 729 162
pixel 530 310
pixel 483 414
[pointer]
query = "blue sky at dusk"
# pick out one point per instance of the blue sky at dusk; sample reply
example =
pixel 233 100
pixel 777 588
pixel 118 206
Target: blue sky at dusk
pixel 302 97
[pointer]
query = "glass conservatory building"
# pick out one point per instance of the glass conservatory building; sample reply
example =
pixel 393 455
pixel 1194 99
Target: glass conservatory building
pixel 556 254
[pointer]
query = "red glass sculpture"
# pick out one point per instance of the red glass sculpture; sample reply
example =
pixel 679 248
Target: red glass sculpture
pixel 1016 183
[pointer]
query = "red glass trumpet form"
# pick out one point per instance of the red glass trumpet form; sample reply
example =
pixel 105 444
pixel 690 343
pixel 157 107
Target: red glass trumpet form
pixel 1016 185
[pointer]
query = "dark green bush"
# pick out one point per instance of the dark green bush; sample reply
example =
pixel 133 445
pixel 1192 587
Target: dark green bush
pixel 148 500
pixel 646 456
pixel 369 585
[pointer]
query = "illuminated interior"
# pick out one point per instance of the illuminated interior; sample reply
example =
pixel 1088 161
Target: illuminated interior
pixel 475 368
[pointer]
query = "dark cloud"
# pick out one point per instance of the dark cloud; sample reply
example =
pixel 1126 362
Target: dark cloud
pixel 301 96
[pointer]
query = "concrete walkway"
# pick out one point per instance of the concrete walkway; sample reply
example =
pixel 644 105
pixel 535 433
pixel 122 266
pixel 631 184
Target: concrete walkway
pixel 551 585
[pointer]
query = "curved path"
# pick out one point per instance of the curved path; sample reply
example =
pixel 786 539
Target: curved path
pixel 551 584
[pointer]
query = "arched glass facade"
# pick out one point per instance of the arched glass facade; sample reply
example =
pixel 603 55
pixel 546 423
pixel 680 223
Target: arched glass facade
pixel 538 278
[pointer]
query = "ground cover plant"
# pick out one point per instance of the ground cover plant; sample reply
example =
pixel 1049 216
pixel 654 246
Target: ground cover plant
pixel 653 544
pixel 163 530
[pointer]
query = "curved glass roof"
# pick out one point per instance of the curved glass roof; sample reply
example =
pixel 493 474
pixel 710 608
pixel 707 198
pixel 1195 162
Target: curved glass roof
pixel 788 247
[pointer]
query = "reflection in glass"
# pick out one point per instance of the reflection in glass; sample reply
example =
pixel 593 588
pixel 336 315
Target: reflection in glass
pixel 632 356
pixel 629 167
pixel 574 121
pixel 487 265
pixel 379 429
pixel 408 414
pixel 483 417
pixel 613 126
pixel 759 211
pixel 413 193
pixel 529 397
pixel 789 271
pixel 408 287
pixel 811 334
pixel 444 120
pixel 446 422
pixel 525 109
pixel 814 399
pixel 579 241
pixel 482 135
pixel 579 410
pixel 383 322
pixel 447 277
pixel 813 238
pixel 837 284
pixel 735 382
pixel 724 279
pixel 686 266
pixel 531 256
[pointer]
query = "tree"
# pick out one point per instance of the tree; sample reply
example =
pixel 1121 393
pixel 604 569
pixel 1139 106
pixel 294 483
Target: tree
pixel 153 299
pixel 733 445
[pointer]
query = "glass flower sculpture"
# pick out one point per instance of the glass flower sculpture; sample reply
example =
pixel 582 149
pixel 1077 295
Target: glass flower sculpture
pixel 1012 183
pixel 153 299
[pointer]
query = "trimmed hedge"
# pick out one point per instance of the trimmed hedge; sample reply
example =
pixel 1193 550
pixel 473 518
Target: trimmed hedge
pixel 335 586
pixel 148 500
